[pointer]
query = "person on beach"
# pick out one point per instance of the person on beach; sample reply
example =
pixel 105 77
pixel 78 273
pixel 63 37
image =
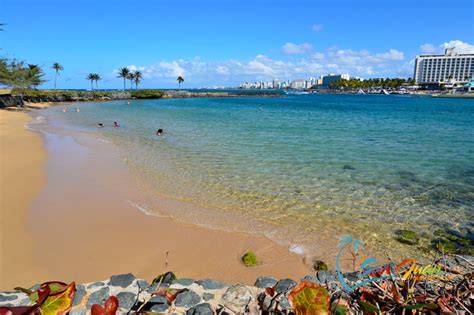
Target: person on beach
pixel 116 125
pixel 159 132
pixel 100 125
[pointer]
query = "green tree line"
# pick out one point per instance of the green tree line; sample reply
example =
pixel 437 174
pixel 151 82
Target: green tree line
pixel 387 83
pixel 20 74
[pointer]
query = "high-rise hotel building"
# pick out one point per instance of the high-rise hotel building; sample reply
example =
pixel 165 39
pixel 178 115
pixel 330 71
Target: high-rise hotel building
pixel 436 69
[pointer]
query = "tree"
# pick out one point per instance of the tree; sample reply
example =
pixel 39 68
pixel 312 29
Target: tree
pixel 137 78
pixel 123 73
pixel 180 80
pixel 91 77
pixel 57 67
pixel 96 79
pixel 35 76
pixel 131 77
pixel 18 74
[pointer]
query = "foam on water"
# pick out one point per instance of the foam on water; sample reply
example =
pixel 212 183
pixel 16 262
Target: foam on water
pixel 301 168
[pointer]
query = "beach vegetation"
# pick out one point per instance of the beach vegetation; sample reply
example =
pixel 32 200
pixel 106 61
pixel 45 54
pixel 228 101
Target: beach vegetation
pixel 180 80
pixel 319 265
pixel 57 67
pixel 147 94
pixel 310 298
pixel 137 78
pixel 110 307
pixel 249 259
pixel 131 77
pixel 123 73
pixel 16 73
pixel 355 84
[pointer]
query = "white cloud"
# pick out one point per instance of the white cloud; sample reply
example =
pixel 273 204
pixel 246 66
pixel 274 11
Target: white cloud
pixel 317 27
pixel 459 46
pixel 428 48
pixel 290 48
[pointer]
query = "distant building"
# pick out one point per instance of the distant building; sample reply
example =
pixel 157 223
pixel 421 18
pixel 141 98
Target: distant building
pixel 434 70
pixel 330 78
pixel 298 84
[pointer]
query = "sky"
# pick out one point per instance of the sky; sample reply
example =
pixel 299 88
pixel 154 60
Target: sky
pixel 225 43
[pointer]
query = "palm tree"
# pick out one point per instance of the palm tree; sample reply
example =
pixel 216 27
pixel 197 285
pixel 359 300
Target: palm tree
pixel 91 77
pixel 123 73
pixel 180 80
pixel 131 76
pixel 57 67
pixel 137 78
pixel 96 79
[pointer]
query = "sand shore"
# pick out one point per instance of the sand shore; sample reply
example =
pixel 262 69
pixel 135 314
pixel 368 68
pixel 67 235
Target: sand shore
pixel 65 216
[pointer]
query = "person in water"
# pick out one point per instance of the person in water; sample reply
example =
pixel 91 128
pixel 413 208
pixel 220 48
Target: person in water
pixel 159 132
pixel 100 125
pixel 77 110
pixel 116 124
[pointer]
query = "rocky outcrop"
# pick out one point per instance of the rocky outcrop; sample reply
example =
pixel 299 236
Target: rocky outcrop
pixel 77 97
pixel 7 100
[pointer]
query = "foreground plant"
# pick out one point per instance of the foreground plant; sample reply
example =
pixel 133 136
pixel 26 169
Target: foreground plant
pixel 110 307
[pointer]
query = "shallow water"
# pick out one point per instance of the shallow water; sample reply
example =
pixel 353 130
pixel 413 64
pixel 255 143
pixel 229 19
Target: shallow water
pixel 299 168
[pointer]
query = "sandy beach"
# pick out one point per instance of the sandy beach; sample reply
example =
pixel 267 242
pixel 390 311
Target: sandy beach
pixel 66 216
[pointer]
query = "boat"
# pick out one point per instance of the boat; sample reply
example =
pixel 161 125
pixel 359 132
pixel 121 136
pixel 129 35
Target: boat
pixel 360 91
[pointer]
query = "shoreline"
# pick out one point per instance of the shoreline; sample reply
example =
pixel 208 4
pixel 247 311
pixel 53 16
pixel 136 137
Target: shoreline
pixel 81 253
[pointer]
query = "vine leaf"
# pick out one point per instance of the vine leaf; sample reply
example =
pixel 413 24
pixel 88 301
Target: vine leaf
pixel 308 298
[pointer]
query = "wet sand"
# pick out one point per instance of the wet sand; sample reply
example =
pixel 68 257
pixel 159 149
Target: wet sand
pixel 82 227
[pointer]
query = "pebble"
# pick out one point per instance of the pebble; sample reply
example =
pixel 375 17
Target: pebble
pixel 237 296
pixel 98 297
pixel 187 299
pixel 284 285
pixel 265 282
pixel 210 284
pixel 122 280
pixel 201 309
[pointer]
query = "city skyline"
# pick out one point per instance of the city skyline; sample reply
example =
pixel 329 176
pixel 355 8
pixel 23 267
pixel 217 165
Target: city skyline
pixel 226 44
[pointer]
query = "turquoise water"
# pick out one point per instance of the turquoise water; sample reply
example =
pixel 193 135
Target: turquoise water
pixel 301 168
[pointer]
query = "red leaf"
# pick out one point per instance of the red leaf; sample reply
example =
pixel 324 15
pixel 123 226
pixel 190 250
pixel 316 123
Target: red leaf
pixel 98 310
pixel 270 291
pixel 111 306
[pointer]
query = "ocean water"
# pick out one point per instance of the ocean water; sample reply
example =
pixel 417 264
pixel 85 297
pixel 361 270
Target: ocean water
pixel 299 169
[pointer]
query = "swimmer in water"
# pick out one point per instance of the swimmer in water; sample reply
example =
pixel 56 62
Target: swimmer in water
pixel 64 109
pixel 159 132
pixel 128 102
pixel 77 110
pixel 100 125
pixel 116 124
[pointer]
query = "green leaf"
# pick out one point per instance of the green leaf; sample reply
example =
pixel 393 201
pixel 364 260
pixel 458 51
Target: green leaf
pixel 60 303
pixel 420 306
pixel 370 308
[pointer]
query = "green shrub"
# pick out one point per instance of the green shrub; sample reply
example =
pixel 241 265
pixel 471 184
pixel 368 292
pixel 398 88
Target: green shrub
pixel 144 94
pixel 249 259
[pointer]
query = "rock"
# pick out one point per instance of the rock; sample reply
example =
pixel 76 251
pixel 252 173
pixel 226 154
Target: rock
pixel 159 308
pixel 184 282
pixel 210 284
pixel 126 300
pixel 284 285
pixel 81 311
pixel 201 309
pixel 319 265
pixel 158 299
pixel 80 293
pixel 265 282
pixel 407 237
pixel 348 167
pixel 326 276
pixel 95 285
pixel 122 280
pixel 249 259
pixel 157 303
pixel 284 304
pixel 35 287
pixel 207 296
pixel 10 297
pixel 98 297
pixel 237 297
pixel 187 299
pixel 143 284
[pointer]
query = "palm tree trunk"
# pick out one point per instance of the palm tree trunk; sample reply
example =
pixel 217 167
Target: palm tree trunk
pixel 55 77
pixel 97 85
pixel 124 83
pixel 131 85
pixel 92 85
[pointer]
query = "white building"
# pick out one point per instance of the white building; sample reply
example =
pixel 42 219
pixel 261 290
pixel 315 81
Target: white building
pixel 450 67
pixel 298 84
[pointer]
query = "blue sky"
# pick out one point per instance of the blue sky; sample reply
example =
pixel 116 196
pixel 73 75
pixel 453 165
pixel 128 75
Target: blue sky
pixel 226 42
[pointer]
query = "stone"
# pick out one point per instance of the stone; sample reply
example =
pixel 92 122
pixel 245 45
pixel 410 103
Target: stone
pixel 187 299
pixel 207 296
pixel 326 276
pixel 210 284
pixel 184 282
pixel 201 309
pixel 143 284
pixel 237 296
pixel 157 303
pixel 284 304
pixel 122 280
pixel 95 285
pixel 158 308
pixel 348 167
pixel 98 297
pixel 319 265
pixel 265 282
pixel 284 285
pixel 10 297
pixel 126 300
pixel 407 237
pixel 35 287
pixel 81 311
pixel 80 293
pixel 158 299
pixel 249 259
